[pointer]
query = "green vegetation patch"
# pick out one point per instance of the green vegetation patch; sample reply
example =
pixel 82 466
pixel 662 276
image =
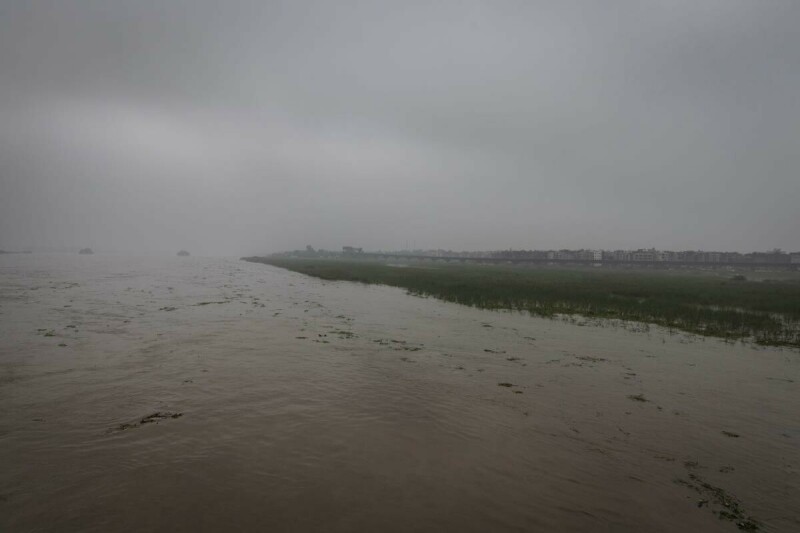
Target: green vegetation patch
pixel 696 302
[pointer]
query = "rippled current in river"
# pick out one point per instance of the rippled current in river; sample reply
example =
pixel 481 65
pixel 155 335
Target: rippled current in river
pixel 193 394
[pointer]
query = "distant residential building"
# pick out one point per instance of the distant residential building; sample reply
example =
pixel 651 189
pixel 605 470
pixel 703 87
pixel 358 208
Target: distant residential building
pixel 644 255
pixel 566 255
pixel 617 255
pixel 775 256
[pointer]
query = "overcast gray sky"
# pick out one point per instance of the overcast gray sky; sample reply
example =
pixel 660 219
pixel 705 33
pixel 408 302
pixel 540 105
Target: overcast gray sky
pixel 240 127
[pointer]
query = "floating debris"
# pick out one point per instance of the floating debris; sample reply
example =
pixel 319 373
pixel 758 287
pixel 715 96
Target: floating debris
pixel 785 380
pixel 155 417
pixel 149 419
pixel 590 359
pixel 731 507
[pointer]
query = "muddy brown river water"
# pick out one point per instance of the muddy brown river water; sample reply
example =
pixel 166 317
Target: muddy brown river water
pixel 191 394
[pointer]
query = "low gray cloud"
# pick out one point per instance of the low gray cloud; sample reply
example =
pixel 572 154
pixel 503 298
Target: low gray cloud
pixel 242 127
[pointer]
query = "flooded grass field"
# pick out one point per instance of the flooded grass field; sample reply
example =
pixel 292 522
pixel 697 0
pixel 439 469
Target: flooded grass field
pixel 192 394
pixel 718 303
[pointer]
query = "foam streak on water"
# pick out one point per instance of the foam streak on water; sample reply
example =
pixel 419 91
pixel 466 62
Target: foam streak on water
pixel 327 406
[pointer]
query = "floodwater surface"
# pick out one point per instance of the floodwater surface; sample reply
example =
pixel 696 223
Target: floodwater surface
pixel 192 394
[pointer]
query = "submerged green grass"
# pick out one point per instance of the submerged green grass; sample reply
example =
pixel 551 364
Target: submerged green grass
pixel 767 312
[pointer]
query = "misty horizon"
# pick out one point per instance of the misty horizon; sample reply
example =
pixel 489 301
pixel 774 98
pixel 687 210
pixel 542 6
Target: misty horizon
pixel 261 127
pixel 410 249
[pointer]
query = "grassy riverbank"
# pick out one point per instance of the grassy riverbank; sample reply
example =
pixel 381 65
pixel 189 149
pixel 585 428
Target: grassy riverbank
pixel 767 312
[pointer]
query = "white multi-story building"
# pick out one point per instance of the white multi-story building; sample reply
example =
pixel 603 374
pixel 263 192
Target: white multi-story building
pixel 644 255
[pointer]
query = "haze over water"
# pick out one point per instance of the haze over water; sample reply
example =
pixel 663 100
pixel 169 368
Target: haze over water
pixel 326 406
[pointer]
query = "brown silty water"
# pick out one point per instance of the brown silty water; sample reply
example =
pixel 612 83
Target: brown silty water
pixel 191 394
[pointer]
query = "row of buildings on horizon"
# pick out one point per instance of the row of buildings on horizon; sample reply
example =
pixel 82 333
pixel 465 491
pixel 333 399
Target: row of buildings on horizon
pixel 650 255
